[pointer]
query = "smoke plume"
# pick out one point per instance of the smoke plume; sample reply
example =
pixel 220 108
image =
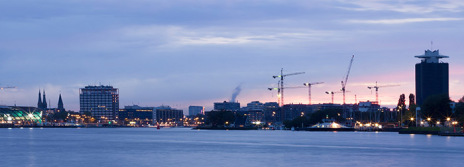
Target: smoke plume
pixel 236 93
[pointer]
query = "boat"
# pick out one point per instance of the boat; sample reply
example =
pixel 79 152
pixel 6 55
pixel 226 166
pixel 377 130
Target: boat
pixel 329 126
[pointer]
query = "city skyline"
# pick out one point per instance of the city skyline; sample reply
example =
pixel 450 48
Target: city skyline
pixel 187 53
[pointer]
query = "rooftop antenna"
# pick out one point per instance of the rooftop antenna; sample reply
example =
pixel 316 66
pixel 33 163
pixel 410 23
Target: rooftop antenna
pixel 431 45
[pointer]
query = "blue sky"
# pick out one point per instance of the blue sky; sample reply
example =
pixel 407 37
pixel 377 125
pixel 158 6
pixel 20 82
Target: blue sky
pixel 183 53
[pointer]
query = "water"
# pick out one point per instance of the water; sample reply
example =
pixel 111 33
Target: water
pixel 184 147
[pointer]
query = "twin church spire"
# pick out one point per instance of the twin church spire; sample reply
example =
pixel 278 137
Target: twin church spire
pixel 42 102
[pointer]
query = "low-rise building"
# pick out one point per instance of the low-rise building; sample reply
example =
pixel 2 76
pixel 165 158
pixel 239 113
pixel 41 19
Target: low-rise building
pixel 136 116
pixel 227 106
pixel 20 115
pixel 194 110
pixel 167 116
pixel 292 111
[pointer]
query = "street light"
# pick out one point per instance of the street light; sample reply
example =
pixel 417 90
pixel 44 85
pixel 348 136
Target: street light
pixel 454 126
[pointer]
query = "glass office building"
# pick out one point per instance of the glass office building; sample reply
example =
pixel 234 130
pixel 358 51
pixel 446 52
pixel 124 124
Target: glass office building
pixel 101 101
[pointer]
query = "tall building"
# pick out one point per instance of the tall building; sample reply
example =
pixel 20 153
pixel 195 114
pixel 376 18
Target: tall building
pixel 194 110
pixel 432 77
pixel 101 101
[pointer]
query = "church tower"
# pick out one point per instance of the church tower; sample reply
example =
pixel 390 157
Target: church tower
pixel 44 102
pixel 60 104
pixel 39 103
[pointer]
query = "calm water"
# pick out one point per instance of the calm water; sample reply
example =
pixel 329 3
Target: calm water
pixel 185 147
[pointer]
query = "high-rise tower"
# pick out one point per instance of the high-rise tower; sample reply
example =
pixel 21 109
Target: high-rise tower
pixel 101 101
pixel 432 77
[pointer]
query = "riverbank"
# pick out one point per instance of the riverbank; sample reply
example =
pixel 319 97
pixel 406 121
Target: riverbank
pixel 225 128
pixel 441 131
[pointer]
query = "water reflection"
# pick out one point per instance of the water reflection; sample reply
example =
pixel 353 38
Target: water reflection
pixel 185 147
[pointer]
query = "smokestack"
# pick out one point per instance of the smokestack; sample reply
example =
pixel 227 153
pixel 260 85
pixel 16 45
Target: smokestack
pixel 236 93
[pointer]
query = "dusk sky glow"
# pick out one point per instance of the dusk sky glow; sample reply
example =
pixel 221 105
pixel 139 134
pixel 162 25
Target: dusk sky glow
pixel 182 53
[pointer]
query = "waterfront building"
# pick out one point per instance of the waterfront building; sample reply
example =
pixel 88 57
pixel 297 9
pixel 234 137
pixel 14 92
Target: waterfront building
pixel 227 106
pixel 368 106
pixel 432 76
pixel 255 106
pixel 101 101
pixel 292 111
pixel 271 112
pixel 20 115
pixel 135 115
pixel 369 111
pixel 327 106
pixel 255 117
pixel 167 116
pixel 194 110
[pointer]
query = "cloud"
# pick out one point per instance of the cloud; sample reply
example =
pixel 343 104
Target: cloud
pixel 160 36
pixel 403 21
pixel 410 6
pixel 219 40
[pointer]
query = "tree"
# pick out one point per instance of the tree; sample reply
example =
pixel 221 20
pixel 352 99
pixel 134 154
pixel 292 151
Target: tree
pixel 220 118
pixel 297 122
pixel 58 116
pixel 401 108
pixel 437 107
pixel 459 111
pixel 412 104
pixel 411 112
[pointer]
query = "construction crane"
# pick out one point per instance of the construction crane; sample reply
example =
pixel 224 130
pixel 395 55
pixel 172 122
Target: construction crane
pixel 282 76
pixel 346 79
pixel 332 93
pixel 278 91
pixel 8 87
pixel 307 84
pixel 376 87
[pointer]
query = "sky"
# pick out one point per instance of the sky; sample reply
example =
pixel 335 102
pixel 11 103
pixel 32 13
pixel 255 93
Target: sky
pixel 185 52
